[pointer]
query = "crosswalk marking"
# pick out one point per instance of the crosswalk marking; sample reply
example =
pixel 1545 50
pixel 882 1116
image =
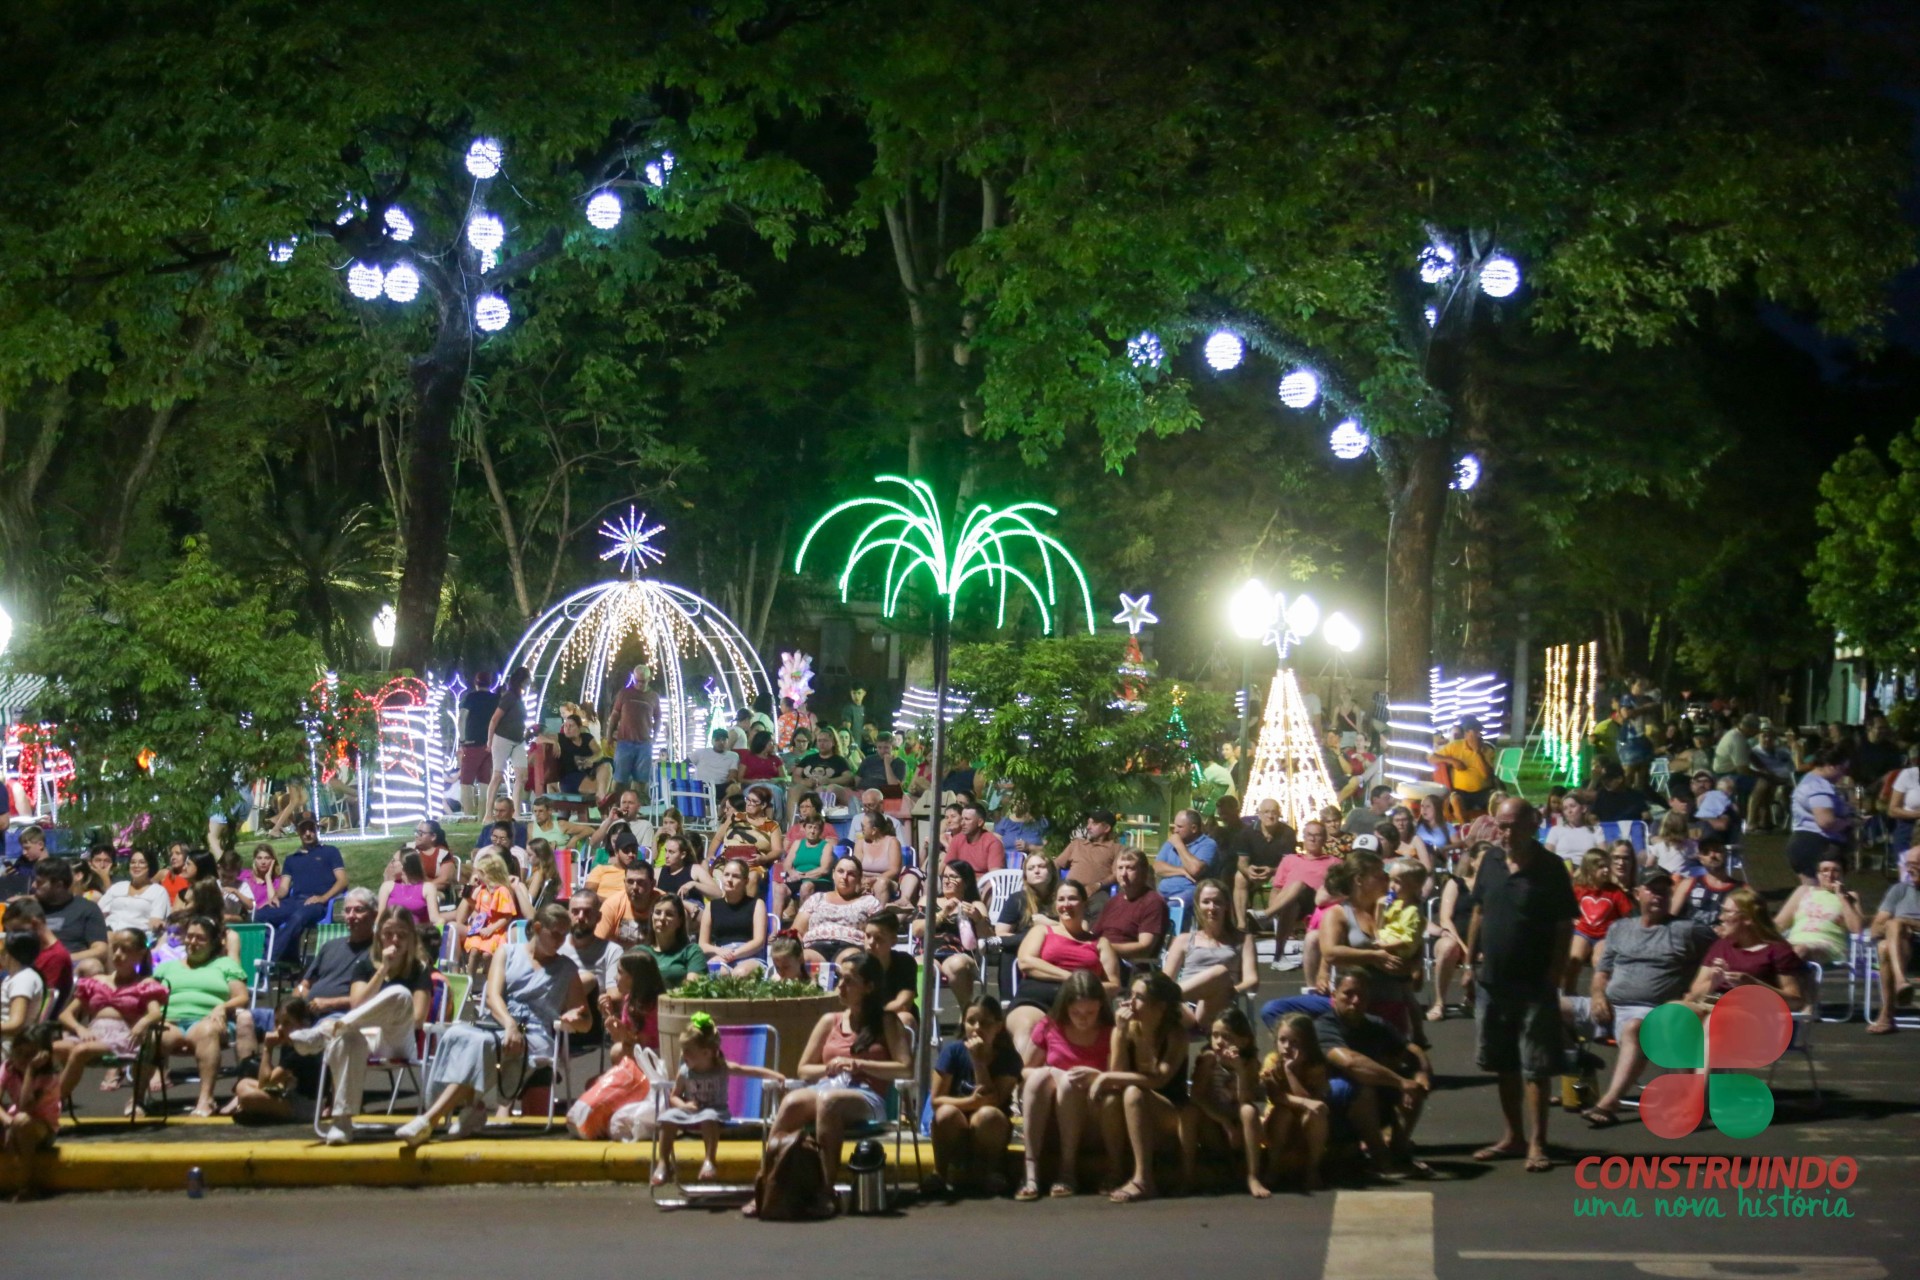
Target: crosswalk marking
pixel 1381 1235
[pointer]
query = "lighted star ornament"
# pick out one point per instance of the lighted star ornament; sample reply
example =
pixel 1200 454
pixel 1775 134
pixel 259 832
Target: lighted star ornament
pixel 631 542
pixel 1134 613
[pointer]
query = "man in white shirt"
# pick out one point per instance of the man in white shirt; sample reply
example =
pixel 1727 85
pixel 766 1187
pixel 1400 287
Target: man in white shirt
pixel 716 764
pixel 1573 838
pixel 626 812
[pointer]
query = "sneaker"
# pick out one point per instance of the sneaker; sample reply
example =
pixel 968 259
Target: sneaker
pixel 309 1040
pixel 468 1124
pixel 336 1136
pixel 415 1131
pixel 1289 963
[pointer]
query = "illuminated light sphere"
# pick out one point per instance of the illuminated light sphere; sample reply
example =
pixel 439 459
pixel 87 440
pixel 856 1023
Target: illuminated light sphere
pixel 660 170
pixel 399 225
pixel 1433 316
pixel 486 232
pixel 385 623
pixel 491 312
pixel 1349 440
pixel 1299 389
pixel 364 280
pixel 1145 352
pixel 1253 610
pixel 483 158
pixel 1340 632
pixel 1225 350
pixel 280 251
pixel 603 211
pixel 1466 473
pixel 488 260
pixel 403 283
pixel 1303 615
pixel 1499 276
pixel 1436 263
pixel 350 208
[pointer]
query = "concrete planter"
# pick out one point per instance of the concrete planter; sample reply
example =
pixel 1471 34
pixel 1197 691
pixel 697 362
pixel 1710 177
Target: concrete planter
pixel 794 1018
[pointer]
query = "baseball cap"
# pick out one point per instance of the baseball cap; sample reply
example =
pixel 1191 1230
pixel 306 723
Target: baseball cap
pixel 1370 844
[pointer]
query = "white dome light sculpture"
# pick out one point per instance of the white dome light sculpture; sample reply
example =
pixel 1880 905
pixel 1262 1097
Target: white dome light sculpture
pixel 483 158
pixel 403 283
pixel 491 312
pixel 1224 350
pixel 486 232
pixel 603 211
pixel 1299 389
pixel 1466 473
pixel 399 225
pixel 1499 276
pixel 1349 440
pixel 365 280
pixel 1145 352
pixel 386 624
pixel 595 636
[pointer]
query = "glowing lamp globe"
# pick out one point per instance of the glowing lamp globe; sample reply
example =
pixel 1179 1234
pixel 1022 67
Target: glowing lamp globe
pixel 603 211
pixel 1225 350
pixel 1349 440
pixel 280 251
pixel 1433 316
pixel 1466 473
pixel 1436 263
pixel 1303 615
pixel 385 623
pixel 1145 352
pixel 491 312
pixel 483 158
pixel 1299 389
pixel 486 232
pixel 399 225
pixel 1340 632
pixel 364 280
pixel 403 283
pixel 1253 610
pixel 1499 276
pixel 489 259
pixel 660 170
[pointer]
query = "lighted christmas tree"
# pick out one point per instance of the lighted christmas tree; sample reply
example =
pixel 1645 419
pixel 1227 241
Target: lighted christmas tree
pixel 1286 760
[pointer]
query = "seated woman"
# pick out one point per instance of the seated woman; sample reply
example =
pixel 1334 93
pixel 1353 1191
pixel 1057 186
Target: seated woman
pixel 392 993
pixel 1215 962
pixel 1432 827
pixel 580 766
pixel 673 824
pixel 110 1016
pixel 679 872
pixel 808 867
pixel 1399 838
pixel 531 990
pixel 1069 1050
pixel 629 1011
pixel 543 874
pixel 959 922
pixel 1226 1098
pixel 1448 929
pixel 409 891
pixel 677 954
pixel 139 901
pixel 1051 953
pixel 761 766
pixel 974 1080
pixel 878 852
pixel 1033 904
pixel 1299 1086
pixel 755 842
pixel 851 1060
pixel 204 988
pixel 1819 918
pixel 1144 1089
pixel 1349 938
pixel 825 771
pixel 835 921
pixel 733 928
pixel 1748 952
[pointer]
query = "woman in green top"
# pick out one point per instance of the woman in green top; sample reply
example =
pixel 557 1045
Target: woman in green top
pixel 808 866
pixel 203 989
pixel 675 953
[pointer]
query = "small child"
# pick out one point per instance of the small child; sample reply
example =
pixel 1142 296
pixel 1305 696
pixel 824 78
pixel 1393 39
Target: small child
pixel 788 956
pixel 1298 1090
pixel 698 1098
pixel 628 1011
pixel 1402 926
pixel 29 1092
pixel 1674 849
pixel 23 996
pixel 1226 1091
pixel 1601 903
pixel 1319 974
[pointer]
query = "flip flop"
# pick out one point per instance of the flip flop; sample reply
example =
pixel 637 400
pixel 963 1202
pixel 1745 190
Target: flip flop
pixel 1498 1152
pixel 1598 1119
pixel 1061 1191
pixel 1877 1029
pixel 1539 1164
pixel 1027 1194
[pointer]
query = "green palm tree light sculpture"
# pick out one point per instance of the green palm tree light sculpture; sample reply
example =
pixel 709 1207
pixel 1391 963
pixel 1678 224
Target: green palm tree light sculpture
pixel 997 549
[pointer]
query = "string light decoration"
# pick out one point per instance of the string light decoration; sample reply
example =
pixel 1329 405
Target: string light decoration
pixel 917 704
pixel 1466 473
pixel 1573 676
pixel 1287 767
pixel 1299 389
pixel 402 283
pixel 412 760
pixel 1134 613
pixel 1225 350
pixel 399 225
pixel 603 211
pixel 1145 352
pixel 1499 276
pixel 491 313
pixel 483 158
pixel 596 634
pixel 1413 726
pixel 365 281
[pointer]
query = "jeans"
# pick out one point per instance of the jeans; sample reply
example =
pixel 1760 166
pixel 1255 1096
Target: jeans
pixel 290 920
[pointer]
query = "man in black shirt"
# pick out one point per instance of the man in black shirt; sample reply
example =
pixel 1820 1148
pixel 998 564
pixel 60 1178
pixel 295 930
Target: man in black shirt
pixel 1257 849
pixel 1518 940
pixel 477 706
pixel 1615 801
pixel 1386 1078
pixel 76 922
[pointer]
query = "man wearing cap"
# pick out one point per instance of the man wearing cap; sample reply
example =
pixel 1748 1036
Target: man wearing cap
pixel 1469 764
pixel 1088 860
pixel 315 875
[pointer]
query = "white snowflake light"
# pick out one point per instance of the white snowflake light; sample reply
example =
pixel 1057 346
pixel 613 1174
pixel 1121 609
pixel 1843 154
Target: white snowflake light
pixel 1349 440
pixel 350 208
pixel 1466 473
pixel 486 232
pixel 281 251
pixel 399 225
pixel 403 283
pixel 1224 350
pixel 491 312
pixel 1499 276
pixel 1299 389
pixel 603 211
pixel 483 158
pixel 1145 352
pixel 660 170
pixel 1436 263
pixel 365 280
pixel 631 541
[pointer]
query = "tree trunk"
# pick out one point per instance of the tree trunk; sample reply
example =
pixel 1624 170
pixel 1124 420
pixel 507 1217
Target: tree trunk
pixel 1477 544
pixel 930 856
pixel 439 380
pixel 1415 470
pixel 503 511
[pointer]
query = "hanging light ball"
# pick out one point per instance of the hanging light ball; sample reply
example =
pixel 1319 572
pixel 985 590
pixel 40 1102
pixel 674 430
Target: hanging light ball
pixel 603 211
pixel 280 251
pixel 491 312
pixel 483 158
pixel 1340 632
pixel 1436 263
pixel 486 232
pixel 1466 473
pixel 660 170
pixel 1433 316
pixel 403 283
pixel 1145 352
pixel 1349 440
pixel 1225 350
pixel 1299 389
pixel 365 280
pixel 399 225
pixel 1499 276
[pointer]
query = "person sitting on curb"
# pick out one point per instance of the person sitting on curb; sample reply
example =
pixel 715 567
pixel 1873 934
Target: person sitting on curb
pixel 1380 1079
pixel 974 1081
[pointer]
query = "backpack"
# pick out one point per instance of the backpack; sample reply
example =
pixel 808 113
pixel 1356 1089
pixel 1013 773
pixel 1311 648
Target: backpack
pixel 793 1186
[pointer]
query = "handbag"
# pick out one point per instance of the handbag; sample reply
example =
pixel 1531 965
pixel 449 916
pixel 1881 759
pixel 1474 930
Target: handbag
pixel 624 1083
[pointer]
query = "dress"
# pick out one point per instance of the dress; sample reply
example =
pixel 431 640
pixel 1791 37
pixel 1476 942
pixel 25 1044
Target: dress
pixel 1820 925
pixel 470 1052
pixel 707 1090
pixel 490 903
pixel 839 1044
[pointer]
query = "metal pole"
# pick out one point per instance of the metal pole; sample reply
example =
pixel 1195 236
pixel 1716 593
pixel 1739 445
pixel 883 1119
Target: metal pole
pixel 1246 694
pixel 930 863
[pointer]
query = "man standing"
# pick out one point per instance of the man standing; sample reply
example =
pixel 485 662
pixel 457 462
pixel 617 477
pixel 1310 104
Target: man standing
pixel 854 714
pixel 315 876
pixel 1469 764
pixel 1363 821
pixel 1186 858
pixel 477 706
pixel 636 710
pixel 1296 880
pixel 1517 944
pixel 1134 920
pixel 973 844
pixel 1088 860
pixel 715 764
pixel 1257 851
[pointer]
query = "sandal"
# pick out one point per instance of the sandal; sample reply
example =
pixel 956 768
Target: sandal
pixel 1130 1193
pixel 1061 1191
pixel 1598 1119
pixel 1499 1152
pixel 1882 1029
pixel 1027 1193
pixel 1437 1014
pixel 1539 1164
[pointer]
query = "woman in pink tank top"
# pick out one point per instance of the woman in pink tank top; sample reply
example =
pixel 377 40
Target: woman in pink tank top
pixel 1070 1049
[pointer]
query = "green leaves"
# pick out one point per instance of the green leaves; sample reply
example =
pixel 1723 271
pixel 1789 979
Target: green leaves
pixel 1862 570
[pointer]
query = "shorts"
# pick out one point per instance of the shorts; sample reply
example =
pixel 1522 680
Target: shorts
pixel 876 1105
pixel 630 761
pixel 570 782
pixel 114 1035
pixel 505 751
pixel 1472 802
pixel 1624 1016
pixel 476 764
pixel 1806 851
pixel 1518 1034
pixel 828 948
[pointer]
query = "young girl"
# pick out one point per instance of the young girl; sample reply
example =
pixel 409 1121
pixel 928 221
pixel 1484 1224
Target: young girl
pixel 974 1081
pixel 628 1011
pixel 699 1096
pixel 1601 903
pixel 29 1097
pixel 23 996
pixel 1144 1089
pixel 1319 974
pixel 1226 1094
pixel 788 957
pixel 1295 1076
pixel 543 874
pixel 111 1015
pixel 288 1082
pixel 1674 850
pixel 1070 1048
pixel 490 910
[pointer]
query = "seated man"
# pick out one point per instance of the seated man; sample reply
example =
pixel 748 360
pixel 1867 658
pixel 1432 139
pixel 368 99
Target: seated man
pixel 327 985
pixel 1895 930
pixel 625 815
pixel 502 812
pixel 1378 1081
pixel 1089 860
pixel 1296 880
pixel 1614 801
pixel 597 958
pixel 1646 961
pixel 1187 858
pixel 315 876
pixel 610 878
pixel 1134 921
pixel 627 917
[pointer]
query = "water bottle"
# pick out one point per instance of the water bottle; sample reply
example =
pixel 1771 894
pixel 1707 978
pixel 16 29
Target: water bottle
pixel 196 1183
pixel 868 1165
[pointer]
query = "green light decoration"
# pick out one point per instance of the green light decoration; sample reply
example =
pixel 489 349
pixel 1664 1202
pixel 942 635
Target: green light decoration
pixel 1001 549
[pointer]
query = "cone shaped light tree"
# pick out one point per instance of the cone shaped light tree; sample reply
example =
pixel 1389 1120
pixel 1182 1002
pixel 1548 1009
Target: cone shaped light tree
pixel 1287 766
pixel 997 549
